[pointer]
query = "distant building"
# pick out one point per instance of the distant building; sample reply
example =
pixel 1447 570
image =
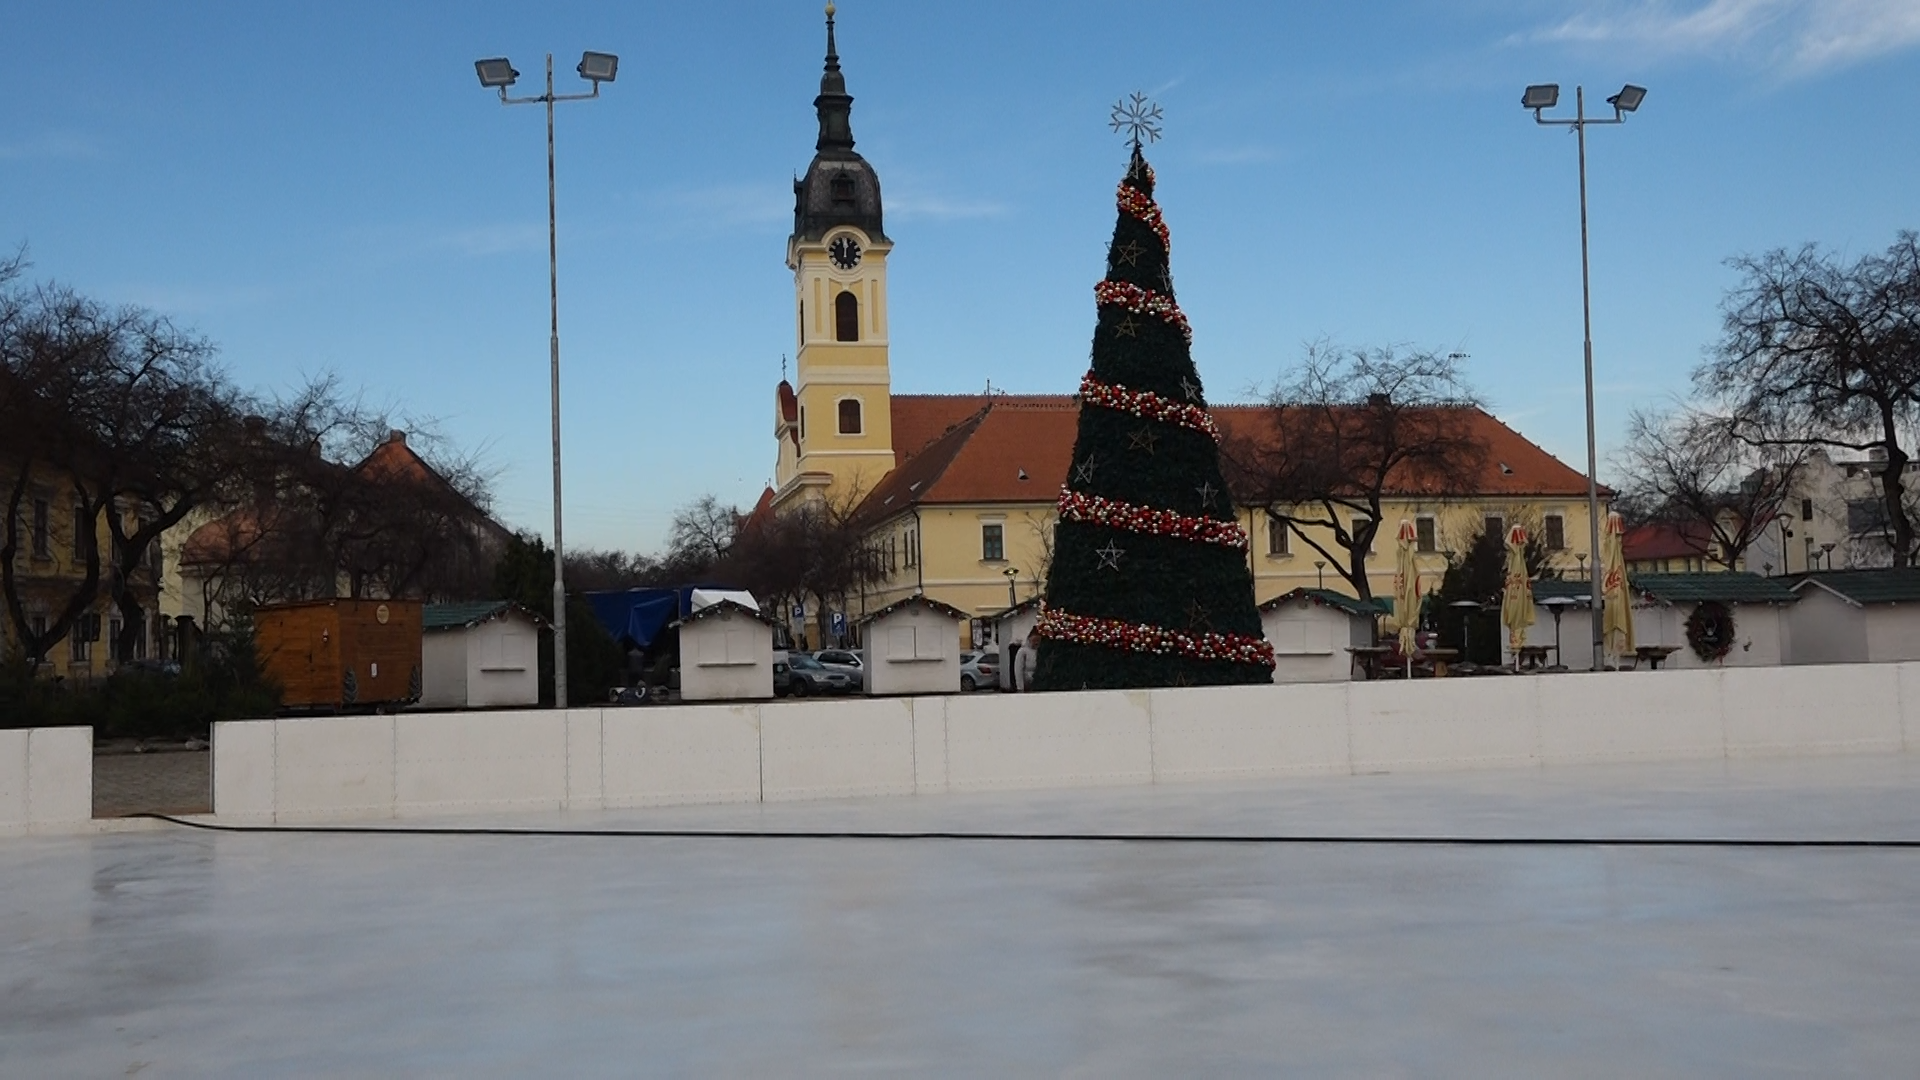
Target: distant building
pixel 1833 518
pixel 277 550
pixel 49 566
pixel 1662 548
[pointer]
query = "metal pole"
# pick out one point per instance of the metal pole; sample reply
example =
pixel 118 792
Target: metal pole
pixel 553 298
pixel 1586 315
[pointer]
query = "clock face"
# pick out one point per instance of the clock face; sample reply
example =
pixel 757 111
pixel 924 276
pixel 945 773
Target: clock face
pixel 845 251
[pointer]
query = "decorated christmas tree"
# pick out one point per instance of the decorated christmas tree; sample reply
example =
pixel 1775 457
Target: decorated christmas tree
pixel 1149 584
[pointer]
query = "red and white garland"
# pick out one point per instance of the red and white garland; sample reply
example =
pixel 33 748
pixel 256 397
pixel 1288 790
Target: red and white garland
pixel 1144 302
pixel 1147 405
pixel 1139 637
pixel 1141 205
pixel 1099 510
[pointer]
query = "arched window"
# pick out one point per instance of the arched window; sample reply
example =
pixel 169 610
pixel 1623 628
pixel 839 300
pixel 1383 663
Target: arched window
pixel 846 317
pixel 850 416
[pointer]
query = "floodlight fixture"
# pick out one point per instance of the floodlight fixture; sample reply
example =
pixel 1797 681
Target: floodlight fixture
pixel 1628 99
pixel 496 73
pixel 1543 96
pixel 598 67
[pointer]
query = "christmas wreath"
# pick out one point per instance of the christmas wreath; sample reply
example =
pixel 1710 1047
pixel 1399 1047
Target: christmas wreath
pixel 1710 631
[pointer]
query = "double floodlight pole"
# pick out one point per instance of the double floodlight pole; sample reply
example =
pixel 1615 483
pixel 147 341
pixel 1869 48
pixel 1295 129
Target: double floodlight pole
pixel 498 74
pixel 1540 98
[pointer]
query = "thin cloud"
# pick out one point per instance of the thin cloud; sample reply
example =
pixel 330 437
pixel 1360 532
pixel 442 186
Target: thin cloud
pixel 54 147
pixel 1238 155
pixel 483 240
pixel 942 208
pixel 197 299
pixel 1800 38
pixel 734 204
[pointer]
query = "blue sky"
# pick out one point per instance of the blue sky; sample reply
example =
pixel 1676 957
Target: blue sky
pixel 327 188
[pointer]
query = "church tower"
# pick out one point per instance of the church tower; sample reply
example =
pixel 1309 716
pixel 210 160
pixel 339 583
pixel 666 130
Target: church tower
pixel 834 422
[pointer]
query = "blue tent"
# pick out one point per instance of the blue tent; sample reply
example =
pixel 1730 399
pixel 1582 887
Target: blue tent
pixel 636 616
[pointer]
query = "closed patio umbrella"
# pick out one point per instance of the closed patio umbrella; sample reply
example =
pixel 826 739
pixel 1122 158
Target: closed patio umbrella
pixel 1406 591
pixel 1616 616
pixel 1516 599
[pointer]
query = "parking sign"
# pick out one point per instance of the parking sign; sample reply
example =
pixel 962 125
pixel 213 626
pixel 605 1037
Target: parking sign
pixel 839 622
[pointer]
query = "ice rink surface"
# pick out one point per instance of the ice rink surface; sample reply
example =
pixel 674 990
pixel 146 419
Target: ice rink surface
pixel 189 954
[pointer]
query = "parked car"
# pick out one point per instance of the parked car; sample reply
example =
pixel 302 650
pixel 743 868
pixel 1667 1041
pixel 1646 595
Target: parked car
pixel 978 669
pixel 804 675
pixel 847 662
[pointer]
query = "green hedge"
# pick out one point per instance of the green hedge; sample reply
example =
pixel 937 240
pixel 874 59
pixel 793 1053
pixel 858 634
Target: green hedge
pixel 223 682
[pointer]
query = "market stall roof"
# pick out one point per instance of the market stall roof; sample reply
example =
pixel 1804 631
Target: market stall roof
pixel 948 610
pixel 470 614
pixel 1352 605
pixel 1896 585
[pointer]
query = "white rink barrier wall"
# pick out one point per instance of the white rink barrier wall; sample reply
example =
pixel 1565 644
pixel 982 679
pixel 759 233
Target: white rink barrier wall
pixel 607 758
pixel 46 778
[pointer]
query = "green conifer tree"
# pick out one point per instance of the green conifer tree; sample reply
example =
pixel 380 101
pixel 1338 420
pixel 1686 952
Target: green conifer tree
pixel 1149 584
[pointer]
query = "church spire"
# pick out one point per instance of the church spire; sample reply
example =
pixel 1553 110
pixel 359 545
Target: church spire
pixel 834 103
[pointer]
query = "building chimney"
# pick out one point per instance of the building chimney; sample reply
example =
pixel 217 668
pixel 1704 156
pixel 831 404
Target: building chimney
pixel 397 436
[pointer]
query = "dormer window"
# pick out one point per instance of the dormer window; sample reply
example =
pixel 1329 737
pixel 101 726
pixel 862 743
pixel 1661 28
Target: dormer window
pixel 840 190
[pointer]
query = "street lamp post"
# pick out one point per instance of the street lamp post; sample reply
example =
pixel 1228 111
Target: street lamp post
pixel 1012 572
pixel 498 74
pixel 1539 98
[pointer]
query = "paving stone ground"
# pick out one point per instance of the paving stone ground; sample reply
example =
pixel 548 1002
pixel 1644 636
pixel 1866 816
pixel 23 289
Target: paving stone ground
pixel 162 782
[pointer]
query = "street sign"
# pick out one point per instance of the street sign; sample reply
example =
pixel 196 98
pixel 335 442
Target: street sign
pixel 839 622
pixel 799 612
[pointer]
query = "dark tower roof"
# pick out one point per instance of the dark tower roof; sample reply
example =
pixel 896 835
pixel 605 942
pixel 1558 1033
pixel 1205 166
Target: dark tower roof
pixel 840 188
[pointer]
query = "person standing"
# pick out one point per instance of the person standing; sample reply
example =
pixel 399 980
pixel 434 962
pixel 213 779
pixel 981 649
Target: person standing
pixel 1023 663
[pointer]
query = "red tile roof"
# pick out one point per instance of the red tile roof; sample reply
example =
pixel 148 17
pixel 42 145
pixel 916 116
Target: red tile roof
pixel 973 449
pixel 1662 541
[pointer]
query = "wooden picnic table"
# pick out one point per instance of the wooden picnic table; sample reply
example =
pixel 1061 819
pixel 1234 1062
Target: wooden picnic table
pixel 1369 657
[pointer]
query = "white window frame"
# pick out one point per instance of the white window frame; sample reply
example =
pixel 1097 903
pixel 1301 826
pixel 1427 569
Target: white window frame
pixel 860 407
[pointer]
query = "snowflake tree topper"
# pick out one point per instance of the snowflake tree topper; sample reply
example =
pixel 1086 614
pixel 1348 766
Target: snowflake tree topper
pixel 1136 117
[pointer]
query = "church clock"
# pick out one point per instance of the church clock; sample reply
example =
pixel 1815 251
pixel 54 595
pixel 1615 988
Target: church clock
pixel 845 252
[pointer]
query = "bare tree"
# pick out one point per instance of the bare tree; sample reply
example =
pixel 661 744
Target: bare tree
pixel 1690 470
pixel 1346 430
pixel 592 570
pixel 330 492
pixel 701 535
pixel 1819 353
pixel 127 412
pixel 820 551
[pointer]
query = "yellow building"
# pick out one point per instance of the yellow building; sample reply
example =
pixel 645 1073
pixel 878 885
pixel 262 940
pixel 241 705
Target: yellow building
pixel 833 425
pixel 54 533
pixel 957 492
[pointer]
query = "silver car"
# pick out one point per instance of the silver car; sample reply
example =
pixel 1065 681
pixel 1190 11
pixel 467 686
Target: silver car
pixel 845 661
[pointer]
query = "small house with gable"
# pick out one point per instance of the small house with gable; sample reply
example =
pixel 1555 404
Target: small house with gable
pixel 1856 617
pixel 480 655
pixel 726 653
pixel 1312 629
pixel 1741 616
pixel 913 647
